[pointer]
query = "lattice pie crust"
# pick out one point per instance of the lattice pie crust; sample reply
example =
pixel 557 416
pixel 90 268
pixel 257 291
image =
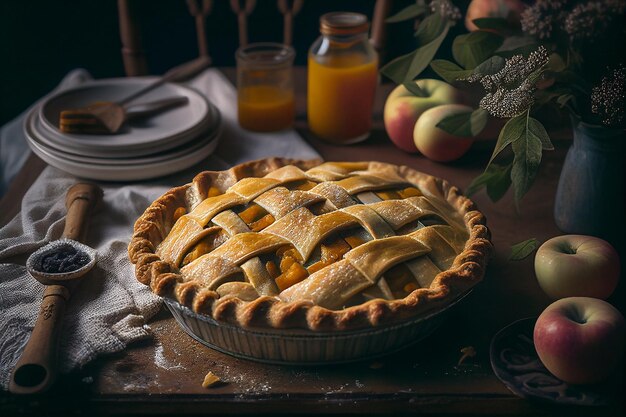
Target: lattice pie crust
pixel 302 244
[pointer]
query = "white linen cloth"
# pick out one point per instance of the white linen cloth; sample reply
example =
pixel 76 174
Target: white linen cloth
pixel 109 308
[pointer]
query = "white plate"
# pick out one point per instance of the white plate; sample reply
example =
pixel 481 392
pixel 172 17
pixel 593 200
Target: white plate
pixel 59 141
pixel 133 172
pixel 193 145
pixel 164 127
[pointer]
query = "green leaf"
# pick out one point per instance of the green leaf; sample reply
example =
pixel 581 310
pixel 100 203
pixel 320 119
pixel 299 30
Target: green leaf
pixel 468 124
pixel 409 66
pixel 521 250
pixel 543 97
pixel 490 66
pixel 449 71
pixel 473 48
pixel 499 184
pixel 513 43
pixel 536 128
pixel 517 45
pixel 494 23
pixel 409 12
pixel 556 63
pixel 535 76
pixel 564 99
pixel 415 89
pixel 430 28
pixel 496 179
pixel 527 137
pixel 527 151
pixel 512 131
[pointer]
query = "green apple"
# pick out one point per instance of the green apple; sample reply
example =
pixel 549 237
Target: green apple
pixel 435 143
pixel 577 266
pixel 403 108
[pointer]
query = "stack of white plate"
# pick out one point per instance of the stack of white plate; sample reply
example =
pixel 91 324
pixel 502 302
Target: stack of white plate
pixel 156 146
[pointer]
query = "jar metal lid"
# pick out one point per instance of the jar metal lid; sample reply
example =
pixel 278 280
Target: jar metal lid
pixel 343 23
pixel 266 54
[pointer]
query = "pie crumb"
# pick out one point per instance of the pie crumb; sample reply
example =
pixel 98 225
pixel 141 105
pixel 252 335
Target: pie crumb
pixel 210 380
pixel 467 352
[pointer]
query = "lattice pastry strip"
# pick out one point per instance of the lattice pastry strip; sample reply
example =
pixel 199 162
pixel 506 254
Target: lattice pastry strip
pixel 188 230
pixel 442 253
pixel 281 201
pixel 337 197
pixel 259 278
pixel 370 220
pixel 305 230
pixel 359 184
pixel 231 223
pixel 330 287
pixel 334 171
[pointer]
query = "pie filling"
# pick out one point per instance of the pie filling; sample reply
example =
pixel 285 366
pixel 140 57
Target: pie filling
pixel 337 243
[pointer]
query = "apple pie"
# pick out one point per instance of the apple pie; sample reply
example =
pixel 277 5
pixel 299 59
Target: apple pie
pixel 280 243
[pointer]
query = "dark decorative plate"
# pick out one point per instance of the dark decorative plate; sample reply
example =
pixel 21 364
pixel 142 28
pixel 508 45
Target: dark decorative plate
pixel 514 360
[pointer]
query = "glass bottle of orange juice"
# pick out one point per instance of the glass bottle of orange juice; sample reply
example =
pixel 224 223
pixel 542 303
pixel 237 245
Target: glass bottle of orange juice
pixel 342 79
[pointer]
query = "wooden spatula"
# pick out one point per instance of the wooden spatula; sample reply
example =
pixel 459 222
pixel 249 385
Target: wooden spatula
pixel 77 121
pixel 110 116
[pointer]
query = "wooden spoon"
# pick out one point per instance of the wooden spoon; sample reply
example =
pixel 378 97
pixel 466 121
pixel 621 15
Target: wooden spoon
pixel 111 115
pixel 37 368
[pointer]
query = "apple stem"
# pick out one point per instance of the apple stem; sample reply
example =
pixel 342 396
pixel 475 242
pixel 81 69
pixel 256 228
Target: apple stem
pixel 577 316
pixel 568 249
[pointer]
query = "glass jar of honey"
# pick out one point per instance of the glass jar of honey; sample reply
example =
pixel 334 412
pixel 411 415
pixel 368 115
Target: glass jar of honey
pixel 342 79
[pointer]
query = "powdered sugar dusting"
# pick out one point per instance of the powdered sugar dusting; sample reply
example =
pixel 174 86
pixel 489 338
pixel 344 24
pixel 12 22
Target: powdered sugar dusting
pixel 161 361
pixel 247 383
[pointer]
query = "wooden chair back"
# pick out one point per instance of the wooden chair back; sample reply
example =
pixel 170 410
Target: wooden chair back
pixel 200 10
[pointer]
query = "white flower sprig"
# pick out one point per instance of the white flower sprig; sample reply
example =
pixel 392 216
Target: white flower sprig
pixel 510 91
pixel 609 97
pixel 579 21
pixel 446 9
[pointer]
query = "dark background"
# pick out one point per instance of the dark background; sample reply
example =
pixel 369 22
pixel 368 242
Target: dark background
pixel 43 40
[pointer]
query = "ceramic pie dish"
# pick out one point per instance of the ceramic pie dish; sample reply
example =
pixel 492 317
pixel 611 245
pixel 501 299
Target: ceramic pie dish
pixel 349 260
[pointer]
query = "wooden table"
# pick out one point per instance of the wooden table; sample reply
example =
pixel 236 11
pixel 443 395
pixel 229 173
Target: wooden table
pixel 163 376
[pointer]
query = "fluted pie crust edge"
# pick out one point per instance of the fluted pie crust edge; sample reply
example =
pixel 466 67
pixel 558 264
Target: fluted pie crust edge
pixel 152 227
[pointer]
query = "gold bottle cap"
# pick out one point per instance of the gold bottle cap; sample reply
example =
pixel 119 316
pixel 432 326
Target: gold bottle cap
pixel 343 23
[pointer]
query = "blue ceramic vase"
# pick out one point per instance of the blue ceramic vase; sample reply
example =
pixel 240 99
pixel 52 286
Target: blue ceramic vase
pixel 590 194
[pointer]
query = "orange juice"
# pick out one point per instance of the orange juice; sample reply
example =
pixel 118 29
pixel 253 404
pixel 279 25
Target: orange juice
pixel 265 108
pixel 341 92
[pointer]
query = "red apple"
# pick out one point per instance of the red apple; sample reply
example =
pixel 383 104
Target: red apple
pixel 577 266
pixel 580 339
pixel 507 9
pixel 435 143
pixel 403 108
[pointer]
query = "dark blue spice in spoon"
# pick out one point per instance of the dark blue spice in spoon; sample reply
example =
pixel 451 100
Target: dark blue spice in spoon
pixel 65 258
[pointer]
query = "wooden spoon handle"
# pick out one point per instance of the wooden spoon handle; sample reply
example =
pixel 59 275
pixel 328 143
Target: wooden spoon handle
pixel 137 111
pixel 176 74
pixel 80 200
pixel 36 370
